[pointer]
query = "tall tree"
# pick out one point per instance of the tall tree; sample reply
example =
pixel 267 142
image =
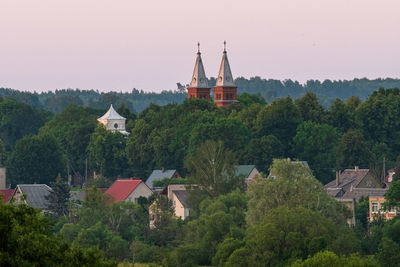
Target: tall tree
pixel 36 159
pixel 212 168
pixel 309 107
pixel 59 197
pixel 293 186
pixel 316 144
pixel 353 150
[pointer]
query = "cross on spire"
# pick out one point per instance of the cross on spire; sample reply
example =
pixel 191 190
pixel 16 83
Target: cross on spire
pixel 198 47
pixel 224 46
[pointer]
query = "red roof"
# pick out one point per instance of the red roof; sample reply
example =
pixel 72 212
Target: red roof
pixel 121 189
pixel 7 194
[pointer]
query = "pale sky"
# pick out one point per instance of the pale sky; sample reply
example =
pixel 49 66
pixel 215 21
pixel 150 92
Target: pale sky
pixel 151 45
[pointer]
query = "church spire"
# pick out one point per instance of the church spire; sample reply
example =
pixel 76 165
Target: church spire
pixel 225 77
pixel 199 79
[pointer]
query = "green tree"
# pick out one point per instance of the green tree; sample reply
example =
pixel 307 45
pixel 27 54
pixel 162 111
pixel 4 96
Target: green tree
pixel 293 186
pixel 73 128
pixel 36 159
pixel 261 151
pixel 280 119
pixel 212 169
pixel 28 241
pixel 17 120
pixel 59 197
pixel 327 258
pixel 106 151
pixel 316 144
pixel 286 234
pixel 139 149
pixel 352 150
pixel 309 107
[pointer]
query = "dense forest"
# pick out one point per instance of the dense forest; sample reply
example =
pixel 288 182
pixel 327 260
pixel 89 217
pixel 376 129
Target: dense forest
pixel 137 100
pixel 289 220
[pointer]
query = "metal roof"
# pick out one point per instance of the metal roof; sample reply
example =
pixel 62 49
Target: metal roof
pixel 199 79
pixel 182 196
pixel 244 169
pixel 35 194
pixel 158 175
pixel 225 77
pixel 111 114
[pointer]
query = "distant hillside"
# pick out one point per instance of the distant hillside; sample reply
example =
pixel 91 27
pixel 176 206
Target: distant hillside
pixel 327 91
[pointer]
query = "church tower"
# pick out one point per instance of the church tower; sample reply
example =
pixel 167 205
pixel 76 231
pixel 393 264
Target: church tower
pixel 225 89
pixel 198 87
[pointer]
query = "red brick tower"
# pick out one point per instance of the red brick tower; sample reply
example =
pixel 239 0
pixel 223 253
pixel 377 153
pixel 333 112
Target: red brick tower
pixel 198 87
pixel 225 89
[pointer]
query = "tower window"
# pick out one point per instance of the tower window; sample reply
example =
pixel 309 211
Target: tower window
pixel 218 96
pixel 116 125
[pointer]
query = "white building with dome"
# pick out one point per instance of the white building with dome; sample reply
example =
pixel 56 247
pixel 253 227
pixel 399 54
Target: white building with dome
pixel 113 121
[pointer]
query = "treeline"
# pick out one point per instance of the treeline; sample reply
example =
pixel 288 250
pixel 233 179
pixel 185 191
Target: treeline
pixel 38 145
pixel 137 100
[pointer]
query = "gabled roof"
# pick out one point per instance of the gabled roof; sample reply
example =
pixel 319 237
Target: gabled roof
pixel 111 114
pixel 199 79
pixel 349 176
pixel 244 169
pixel 121 189
pixel 225 77
pixel 7 194
pixel 182 196
pixel 35 194
pixel 158 175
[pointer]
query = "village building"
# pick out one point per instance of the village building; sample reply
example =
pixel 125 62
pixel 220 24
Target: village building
pixel 198 87
pixel 249 172
pixel 225 90
pixel 5 193
pixel 352 184
pixel 113 121
pixel 33 195
pixel 128 190
pixel 158 175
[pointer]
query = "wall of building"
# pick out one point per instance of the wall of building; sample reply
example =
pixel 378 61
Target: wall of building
pixel 376 209
pixel 141 190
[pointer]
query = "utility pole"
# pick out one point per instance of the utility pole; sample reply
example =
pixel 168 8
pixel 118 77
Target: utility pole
pixel 86 170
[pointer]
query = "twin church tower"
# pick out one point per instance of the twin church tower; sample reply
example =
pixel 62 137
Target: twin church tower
pixel 224 90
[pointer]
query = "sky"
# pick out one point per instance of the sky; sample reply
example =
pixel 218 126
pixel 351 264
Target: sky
pixel 151 45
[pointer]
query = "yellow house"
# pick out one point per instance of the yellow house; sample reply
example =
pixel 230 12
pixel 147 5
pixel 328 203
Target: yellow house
pixel 376 208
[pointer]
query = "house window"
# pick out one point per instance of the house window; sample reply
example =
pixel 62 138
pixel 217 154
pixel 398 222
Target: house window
pixel 374 207
pixel 218 96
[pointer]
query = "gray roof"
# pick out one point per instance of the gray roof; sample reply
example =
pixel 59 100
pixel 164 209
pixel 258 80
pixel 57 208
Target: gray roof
pixel 111 114
pixel 349 176
pixel 199 79
pixel 158 175
pixel 35 194
pixel 244 170
pixel 225 77
pixel 182 196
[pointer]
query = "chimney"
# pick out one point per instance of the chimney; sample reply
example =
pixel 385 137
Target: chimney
pixel 3 181
pixel 356 168
pixel 337 177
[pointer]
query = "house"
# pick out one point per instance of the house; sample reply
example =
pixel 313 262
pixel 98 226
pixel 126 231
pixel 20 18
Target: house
pixel 249 172
pixel 178 194
pixel 129 190
pixel 376 208
pixel 158 175
pixel 113 121
pixel 352 184
pixel 33 195
pixel 6 194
